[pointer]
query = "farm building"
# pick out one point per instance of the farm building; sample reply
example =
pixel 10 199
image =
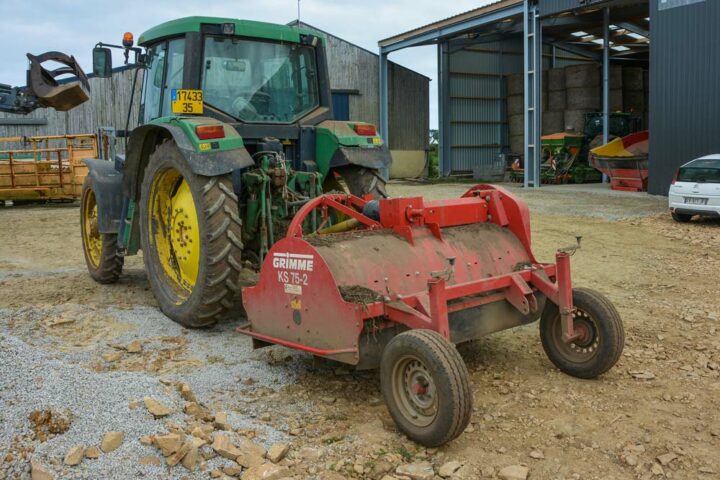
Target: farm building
pixel 353 80
pixel 593 57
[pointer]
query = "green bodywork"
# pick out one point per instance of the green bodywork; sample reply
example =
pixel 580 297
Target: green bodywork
pixel 231 141
pixel 333 134
pixel 244 28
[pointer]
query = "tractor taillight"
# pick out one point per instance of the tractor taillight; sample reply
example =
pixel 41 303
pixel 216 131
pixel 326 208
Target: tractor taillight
pixel 365 129
pixel 207 132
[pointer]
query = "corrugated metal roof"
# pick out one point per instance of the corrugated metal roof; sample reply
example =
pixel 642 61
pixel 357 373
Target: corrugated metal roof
pixel 460 17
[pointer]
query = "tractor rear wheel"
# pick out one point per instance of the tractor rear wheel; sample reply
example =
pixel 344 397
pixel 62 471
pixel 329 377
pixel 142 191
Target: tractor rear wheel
pixel 100 249
pixel 602 335
pixel 190 235
pixel 426 387
pixel 357 181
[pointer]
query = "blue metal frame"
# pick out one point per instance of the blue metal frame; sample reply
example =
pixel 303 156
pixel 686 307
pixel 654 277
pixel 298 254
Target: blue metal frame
pixel 434 36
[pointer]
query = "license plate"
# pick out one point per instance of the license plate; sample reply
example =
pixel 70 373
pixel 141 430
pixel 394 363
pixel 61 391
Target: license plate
pixel 696 201
pixel 187 101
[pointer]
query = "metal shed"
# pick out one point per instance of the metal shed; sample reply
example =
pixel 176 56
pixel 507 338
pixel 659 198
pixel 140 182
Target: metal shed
pixel 353 80
pixel 480 49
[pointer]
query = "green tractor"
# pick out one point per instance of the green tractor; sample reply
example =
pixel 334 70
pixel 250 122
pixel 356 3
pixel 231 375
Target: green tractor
pixel 235 134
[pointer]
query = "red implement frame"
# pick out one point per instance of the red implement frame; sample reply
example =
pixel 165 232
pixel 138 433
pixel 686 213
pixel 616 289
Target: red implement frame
pixel 429 307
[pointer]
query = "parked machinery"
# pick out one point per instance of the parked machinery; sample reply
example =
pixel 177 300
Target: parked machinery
pixel 238 165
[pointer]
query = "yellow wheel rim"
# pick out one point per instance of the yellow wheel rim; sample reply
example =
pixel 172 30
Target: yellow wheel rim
pixel 92 240
pixel 174 230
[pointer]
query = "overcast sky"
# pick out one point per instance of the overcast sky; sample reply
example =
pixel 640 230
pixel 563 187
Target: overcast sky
pixel 74 26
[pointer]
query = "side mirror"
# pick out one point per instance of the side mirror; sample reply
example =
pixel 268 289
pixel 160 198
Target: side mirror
pixel 102 62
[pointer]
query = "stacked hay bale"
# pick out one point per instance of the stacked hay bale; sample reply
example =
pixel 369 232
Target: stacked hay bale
pixel 583 94
pixel 616 89
pixel 516 112
pixel 553 118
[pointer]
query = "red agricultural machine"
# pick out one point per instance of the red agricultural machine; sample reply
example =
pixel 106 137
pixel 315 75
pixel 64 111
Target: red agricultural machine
pixel 395 283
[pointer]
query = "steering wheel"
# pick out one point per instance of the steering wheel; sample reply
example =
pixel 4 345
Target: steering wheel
pixel 241 104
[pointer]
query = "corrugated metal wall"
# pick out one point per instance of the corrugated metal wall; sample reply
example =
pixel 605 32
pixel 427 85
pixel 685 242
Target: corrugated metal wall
pixel 476 123
pixel 476 116
pixel 548 7
pixel 684 94
pixel 409 109
pixel 107 107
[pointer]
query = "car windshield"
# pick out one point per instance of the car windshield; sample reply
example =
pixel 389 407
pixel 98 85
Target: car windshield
pixel 699 174
pixel 259 81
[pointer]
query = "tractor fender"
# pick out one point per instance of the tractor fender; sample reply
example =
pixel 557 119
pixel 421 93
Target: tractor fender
pixel 107 183
pixel 144 139
pixel 375 157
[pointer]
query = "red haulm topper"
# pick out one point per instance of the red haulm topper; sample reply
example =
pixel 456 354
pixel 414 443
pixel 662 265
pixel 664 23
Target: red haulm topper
pixel 397 282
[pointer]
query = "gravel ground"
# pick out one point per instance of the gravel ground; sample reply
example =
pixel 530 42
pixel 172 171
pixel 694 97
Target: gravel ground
pixel 64 342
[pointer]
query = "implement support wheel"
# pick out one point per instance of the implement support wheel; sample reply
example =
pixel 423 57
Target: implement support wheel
pixel 426 388
pixel 100 249
pixel 190 235
pixel 602 335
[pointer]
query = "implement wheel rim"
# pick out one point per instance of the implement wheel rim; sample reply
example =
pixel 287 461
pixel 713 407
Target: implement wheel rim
pixel 174 230
pixel 587 345
pixel 92 239
pixel 414 390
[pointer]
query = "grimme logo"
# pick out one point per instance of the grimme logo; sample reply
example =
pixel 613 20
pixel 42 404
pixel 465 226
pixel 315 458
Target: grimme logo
pixel 293 261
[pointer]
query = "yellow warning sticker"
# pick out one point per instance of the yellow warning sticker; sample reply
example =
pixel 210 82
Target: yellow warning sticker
pixel 377 140
pixel 205 146
pixel 296 304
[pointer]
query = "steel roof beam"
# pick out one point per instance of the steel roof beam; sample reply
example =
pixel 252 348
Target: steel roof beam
pixel 634 28
pixel 453 30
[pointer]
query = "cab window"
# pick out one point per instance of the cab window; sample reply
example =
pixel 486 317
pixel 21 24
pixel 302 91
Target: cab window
pixel 174 75
pixel 153 81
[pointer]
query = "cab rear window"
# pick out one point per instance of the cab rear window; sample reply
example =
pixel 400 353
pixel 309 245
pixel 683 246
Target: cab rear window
pixel 699 175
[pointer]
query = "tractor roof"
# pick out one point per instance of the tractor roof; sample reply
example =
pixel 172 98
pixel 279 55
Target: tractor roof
pixel 245 28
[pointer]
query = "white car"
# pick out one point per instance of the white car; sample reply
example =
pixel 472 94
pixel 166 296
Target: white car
pixel 695 190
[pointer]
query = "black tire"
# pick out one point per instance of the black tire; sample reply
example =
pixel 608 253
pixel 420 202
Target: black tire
pixel 105 265
pixel 428 357
pixel 681 217
pixel 357 181
pixel 216 287
pixel 604 342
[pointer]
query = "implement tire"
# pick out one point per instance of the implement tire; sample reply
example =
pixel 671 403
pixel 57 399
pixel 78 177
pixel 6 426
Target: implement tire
pixel 100 249
pixel 426 387
pixel 601 345
pixel 190 234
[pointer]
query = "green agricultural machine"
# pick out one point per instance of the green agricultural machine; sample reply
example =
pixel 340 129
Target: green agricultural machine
pixel 236 133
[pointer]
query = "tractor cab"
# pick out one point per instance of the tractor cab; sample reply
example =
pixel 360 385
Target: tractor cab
pixel 248 72
pixel 267 81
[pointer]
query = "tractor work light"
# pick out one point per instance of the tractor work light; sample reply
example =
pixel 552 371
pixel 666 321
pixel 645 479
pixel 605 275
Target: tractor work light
pixel 365 129
pixel 208 132
pixel 228 29
pixel 128 40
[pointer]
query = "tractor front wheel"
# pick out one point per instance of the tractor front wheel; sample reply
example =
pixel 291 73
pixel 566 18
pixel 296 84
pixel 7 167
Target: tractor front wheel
pixel 602 335
pixel 100 249
pixel 190 235
pixel 426 387
pixel 356 180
